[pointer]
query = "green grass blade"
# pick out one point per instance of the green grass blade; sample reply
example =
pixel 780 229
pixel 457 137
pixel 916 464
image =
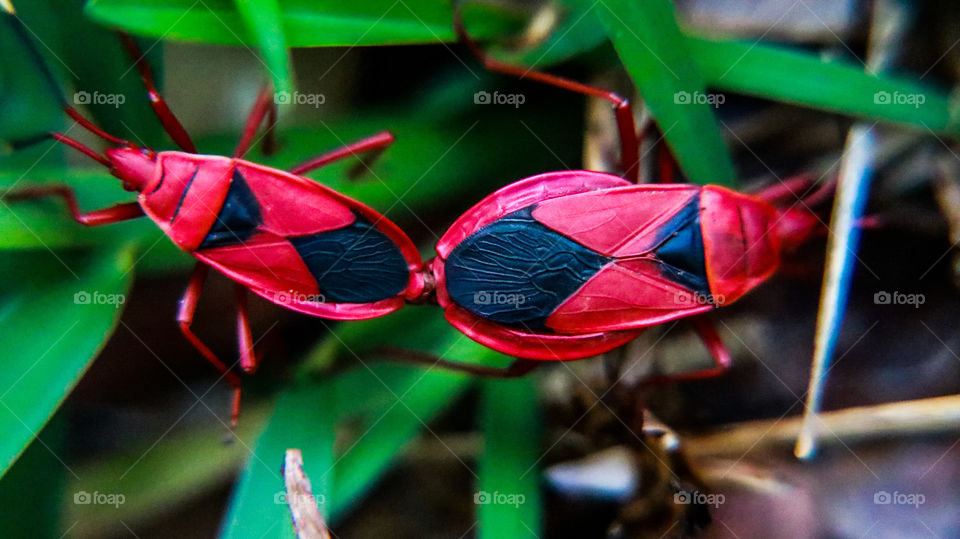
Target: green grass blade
pixel 303 419
pixel 264 20
pixel 578 31
pixel 654 52
pixel 49 335
pixel 33 486
pixel 782 74
pixel 306 23
pixel 508 499
pixel 391 404
pixel 157 479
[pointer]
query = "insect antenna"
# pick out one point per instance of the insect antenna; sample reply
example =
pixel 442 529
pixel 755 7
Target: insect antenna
pixel 23 35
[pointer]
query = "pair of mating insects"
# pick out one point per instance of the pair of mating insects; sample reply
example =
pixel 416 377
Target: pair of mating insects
pixel 588 259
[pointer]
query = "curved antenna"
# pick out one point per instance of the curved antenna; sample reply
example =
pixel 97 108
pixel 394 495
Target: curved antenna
pixel 21 30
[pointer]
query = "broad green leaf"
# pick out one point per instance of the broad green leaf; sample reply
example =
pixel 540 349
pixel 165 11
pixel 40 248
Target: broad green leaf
pixel 157 479
pixel 782 74
pixel 96 78
pixel 508 499
pixel 34 484
pixel 306 23
pixel 303 419
pixel 655 54
pixel 264 21
pixel 47 224
pixel 57 309
pixel 26 106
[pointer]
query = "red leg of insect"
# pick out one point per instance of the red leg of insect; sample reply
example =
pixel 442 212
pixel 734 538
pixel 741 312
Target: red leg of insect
pixel 668 171
pixel 113 214
pixel 519 367
pixel 188 305
pixel 629 145
pixel 170 123
pixel 718 351
pixel 379 141
pixel 263 107
pixel 248 358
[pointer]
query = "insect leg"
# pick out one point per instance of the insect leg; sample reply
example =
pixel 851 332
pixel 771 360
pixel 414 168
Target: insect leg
pixel 170 123
pixel 188 305
pixel 113 214
pixel 718 351
pixel 629 145
pixel 263 107
pixel 375 142
pixel 519 367
pixel 249 361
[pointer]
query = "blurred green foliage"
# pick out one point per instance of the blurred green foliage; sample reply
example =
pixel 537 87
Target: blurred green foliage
pixel 444 156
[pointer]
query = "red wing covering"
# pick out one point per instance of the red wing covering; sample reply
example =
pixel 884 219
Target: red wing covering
pixel 521 194
pixel 185 195
pixel 535 346
pixel 626 294
pixel 294 206
pixel 741 249
pixel 620 223
pixel 334 311
pixel 186 198
pixel 265 261
pixel 616 222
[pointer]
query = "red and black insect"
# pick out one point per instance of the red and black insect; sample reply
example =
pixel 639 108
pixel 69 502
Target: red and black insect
pixel 558 266
pixel 284 237
pixel 566 265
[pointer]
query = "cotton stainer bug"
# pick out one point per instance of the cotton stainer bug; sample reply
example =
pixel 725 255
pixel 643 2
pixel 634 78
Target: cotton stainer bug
pixel 277 234
pixel 570 264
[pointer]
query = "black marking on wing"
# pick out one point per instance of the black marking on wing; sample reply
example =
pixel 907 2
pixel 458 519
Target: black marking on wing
pixel 517 271
pixel 163 176
pixel 239 217
pixel 681 251
pixel 354 264
pixel 183 195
